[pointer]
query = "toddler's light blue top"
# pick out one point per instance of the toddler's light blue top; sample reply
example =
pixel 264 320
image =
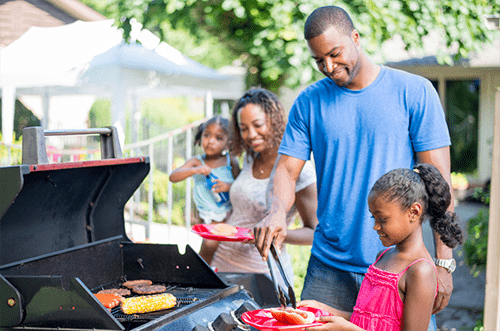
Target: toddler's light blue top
pixel 203 197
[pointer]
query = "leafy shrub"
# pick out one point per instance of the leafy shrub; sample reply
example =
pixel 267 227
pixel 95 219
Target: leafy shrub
pixel 479 324
pixel 160 186
pixel 160 197
pixel 483 194
pixel 476 245
pixel 15 153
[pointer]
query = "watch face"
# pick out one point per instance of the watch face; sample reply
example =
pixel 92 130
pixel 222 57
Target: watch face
pixel 453 265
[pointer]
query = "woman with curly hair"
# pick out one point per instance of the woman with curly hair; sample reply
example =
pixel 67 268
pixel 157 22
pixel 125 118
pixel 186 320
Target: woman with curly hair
pixel 258 121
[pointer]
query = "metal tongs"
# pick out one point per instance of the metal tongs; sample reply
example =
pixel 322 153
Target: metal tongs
pixel 279 292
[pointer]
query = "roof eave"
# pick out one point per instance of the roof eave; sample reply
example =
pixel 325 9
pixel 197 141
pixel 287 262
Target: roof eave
pixel 77 10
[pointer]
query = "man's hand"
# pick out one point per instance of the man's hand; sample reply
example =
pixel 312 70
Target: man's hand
pixel 445 280
pixel 271 229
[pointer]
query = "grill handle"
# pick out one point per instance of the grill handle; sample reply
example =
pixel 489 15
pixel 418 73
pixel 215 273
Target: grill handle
pixel 35 150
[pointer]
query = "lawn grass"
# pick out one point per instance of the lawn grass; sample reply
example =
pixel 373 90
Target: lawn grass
pixel 300 259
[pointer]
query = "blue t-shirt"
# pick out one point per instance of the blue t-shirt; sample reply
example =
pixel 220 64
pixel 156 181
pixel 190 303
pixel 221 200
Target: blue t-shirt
pixel 356 136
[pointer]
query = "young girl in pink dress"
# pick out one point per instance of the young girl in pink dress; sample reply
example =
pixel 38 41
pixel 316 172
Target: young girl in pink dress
pixel 398 290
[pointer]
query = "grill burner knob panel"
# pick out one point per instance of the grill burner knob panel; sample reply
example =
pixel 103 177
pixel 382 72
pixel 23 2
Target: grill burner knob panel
pixel 200 328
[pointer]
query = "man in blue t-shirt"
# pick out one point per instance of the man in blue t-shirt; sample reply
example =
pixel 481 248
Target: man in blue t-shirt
pixel 360 122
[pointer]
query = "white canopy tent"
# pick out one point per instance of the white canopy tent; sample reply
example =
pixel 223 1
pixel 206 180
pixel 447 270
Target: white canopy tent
pixel 90 58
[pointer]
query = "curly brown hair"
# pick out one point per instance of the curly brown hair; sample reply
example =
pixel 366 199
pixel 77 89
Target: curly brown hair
pixel 272 107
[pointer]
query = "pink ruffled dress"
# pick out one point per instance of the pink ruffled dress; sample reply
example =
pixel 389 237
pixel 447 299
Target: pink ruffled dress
pixel 379 306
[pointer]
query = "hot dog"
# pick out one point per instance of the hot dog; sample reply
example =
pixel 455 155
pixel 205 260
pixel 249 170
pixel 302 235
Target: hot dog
pixel 290 316
pixel 109 300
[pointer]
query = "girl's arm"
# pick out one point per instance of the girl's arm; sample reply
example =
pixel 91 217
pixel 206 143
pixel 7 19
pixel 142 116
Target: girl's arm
pixel 192 167
pixel 319 305
pixel 339 320
pixel 335 323
pixel 420 284
pixel 306 201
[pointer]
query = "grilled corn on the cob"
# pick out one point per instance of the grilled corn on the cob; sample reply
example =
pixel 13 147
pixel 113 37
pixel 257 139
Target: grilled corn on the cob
pixel 148 303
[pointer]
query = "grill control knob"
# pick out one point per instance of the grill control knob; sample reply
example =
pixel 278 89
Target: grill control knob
pixel 246 306
pixel 224 322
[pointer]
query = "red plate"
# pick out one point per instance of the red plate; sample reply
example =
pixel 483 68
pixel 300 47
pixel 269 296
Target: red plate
pixel 263 320
pixel 243 234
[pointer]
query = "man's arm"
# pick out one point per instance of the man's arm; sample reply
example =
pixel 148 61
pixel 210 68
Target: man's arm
pixel 440 158
pixel 280 198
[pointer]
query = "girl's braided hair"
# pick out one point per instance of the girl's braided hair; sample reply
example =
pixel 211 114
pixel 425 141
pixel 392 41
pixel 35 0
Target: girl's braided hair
pixel 219 120
pixel 426 185
pixel 271 106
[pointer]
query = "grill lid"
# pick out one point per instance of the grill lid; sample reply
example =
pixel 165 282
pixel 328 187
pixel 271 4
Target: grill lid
pixel 46 208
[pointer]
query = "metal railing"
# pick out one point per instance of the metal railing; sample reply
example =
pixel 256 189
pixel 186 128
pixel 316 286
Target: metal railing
pixel 135 148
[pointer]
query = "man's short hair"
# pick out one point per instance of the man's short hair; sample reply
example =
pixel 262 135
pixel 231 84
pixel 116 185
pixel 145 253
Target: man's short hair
pixel 323 18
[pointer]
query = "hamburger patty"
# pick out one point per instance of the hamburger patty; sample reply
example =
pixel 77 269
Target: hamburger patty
pixel 149 289
pixel 120 291
pixel 139 282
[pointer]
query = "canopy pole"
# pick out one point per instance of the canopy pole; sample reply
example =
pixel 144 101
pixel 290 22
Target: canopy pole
pixel 209 105
pixel 225 109
pixel 45 109
pixel 492 290
pixel 118 105
pixel 8 108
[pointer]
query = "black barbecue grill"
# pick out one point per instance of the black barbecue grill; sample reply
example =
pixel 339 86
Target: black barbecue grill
pixel 62 238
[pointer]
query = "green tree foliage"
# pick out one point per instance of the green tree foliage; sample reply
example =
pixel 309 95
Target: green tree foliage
pixel 267 35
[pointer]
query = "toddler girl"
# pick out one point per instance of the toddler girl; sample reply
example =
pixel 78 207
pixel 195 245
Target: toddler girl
pixel 398 290
pixel 215 168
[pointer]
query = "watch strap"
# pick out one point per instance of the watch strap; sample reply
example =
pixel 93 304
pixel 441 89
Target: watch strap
pixel 445 263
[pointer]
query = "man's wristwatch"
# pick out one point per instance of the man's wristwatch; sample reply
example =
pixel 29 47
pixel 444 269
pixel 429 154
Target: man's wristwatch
pixel 449 265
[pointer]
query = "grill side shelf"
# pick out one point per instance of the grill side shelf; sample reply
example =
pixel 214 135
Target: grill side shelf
pixel 11 308
pixel 48 304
